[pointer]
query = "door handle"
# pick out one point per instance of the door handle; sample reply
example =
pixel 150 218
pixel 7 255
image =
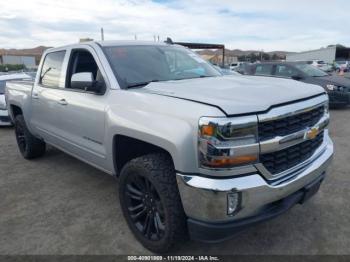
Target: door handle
pixel 35 96
pixel 62 102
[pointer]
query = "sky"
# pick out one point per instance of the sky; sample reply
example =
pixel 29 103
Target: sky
pixel 291 25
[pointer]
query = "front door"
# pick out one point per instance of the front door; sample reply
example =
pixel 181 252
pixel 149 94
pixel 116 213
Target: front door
pixel 82 113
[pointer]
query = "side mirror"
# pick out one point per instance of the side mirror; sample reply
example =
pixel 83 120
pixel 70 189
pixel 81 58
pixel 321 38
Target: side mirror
pixel 85 81
pixel 297 77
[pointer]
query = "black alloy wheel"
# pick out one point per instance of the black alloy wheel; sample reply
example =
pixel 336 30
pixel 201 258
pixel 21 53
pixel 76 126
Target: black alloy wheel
pixel 145 207
pixel 29 146
pixel 151 204
pixel 21 139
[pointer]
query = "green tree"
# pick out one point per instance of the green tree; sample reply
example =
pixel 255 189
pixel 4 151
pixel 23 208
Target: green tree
pixel 8 67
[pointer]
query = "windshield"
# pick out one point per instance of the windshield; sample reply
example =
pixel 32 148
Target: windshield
pixel 139 65
pixel 311 70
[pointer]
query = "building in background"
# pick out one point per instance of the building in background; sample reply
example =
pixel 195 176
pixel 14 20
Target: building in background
pixel 328 54
pixel 83 40
pixel 27 61
pixel 216 59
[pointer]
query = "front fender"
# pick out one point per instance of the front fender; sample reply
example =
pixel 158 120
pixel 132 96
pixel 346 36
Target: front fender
pixel 166 122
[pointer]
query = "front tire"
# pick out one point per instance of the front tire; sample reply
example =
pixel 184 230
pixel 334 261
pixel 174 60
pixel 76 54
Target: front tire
pixel 29 146
pixel 151 202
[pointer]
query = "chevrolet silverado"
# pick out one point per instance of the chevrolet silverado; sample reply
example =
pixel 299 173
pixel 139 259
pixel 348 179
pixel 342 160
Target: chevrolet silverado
pixel 196 153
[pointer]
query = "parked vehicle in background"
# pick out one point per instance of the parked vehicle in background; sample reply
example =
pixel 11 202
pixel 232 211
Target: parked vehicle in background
pixel 4 115
pixel 342 66
pixel 338 88
pixel 321 65
pixel 244 68
pixel 195 152
pixel 236 66
pixel 233 66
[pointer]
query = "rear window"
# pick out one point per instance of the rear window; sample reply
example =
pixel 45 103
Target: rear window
pixel 51 70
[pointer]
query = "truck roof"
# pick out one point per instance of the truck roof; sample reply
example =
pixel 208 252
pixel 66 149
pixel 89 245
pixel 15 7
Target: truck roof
pixel 111 43
pixel 128 42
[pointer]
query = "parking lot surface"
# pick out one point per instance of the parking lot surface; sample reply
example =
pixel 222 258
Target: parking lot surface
pixel 59 205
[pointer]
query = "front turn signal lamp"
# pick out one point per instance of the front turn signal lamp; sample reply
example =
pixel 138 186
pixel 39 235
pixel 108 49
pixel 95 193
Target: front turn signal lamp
pixel 227 142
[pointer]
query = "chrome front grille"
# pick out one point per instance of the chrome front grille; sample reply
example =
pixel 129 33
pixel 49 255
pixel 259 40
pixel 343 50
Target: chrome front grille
pixel 290 124
pixel 279 161
pixel 290 135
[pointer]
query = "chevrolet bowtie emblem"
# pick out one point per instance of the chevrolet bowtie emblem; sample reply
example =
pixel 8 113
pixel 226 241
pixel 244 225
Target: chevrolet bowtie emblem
pixel 311 133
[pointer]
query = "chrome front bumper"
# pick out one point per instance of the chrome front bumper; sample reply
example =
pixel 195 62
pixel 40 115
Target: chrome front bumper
pixel 205 198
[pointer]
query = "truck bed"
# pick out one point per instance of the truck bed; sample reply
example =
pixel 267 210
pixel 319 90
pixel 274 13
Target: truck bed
pixel 18 93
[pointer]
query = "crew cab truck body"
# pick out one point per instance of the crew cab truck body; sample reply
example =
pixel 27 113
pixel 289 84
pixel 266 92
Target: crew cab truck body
pixel 195 152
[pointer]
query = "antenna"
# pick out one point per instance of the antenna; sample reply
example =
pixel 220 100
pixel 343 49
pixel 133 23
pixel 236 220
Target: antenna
pixel 102 34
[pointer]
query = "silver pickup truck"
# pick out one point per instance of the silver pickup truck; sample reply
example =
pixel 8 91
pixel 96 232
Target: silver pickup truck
pixel 197 153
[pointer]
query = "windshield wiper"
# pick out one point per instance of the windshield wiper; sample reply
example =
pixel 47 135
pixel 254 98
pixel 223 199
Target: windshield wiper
pixel 141 83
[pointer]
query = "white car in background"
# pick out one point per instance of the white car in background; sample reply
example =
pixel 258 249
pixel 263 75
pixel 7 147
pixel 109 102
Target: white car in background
pixel 342 65
pixel 320 64
pixel 234 66
pixel 4 116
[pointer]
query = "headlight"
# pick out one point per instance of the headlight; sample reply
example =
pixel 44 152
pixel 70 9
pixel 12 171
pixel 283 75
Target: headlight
pixel 2 104
pixel 331 87
pixel 227 142
pixel 334 87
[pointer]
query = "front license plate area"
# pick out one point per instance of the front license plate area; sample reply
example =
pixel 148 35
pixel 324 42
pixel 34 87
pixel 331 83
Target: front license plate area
pixel 310 190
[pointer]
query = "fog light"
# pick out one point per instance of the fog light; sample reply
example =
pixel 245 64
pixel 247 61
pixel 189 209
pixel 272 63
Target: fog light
pixel 233 202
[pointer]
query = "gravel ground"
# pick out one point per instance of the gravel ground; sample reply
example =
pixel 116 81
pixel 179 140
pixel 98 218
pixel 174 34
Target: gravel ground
pixel 59 205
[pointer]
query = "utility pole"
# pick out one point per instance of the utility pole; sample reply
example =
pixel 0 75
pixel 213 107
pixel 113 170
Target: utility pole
pixel 102 34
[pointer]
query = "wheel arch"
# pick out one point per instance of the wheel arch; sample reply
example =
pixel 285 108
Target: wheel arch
pixel 126 148
pixel 15 111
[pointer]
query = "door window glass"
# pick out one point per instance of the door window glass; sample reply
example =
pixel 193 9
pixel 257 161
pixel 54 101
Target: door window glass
pixel 263 69
pixel 82 61
pixel 285 71
pixel 51 70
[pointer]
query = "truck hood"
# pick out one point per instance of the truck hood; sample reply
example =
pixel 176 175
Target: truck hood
pixel 236 94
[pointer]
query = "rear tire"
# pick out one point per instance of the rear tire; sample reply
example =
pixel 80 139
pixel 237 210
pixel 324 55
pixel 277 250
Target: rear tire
pixel 151 202
pixel 29 146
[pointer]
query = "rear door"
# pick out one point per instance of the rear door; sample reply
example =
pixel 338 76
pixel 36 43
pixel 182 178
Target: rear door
pixel 46 96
